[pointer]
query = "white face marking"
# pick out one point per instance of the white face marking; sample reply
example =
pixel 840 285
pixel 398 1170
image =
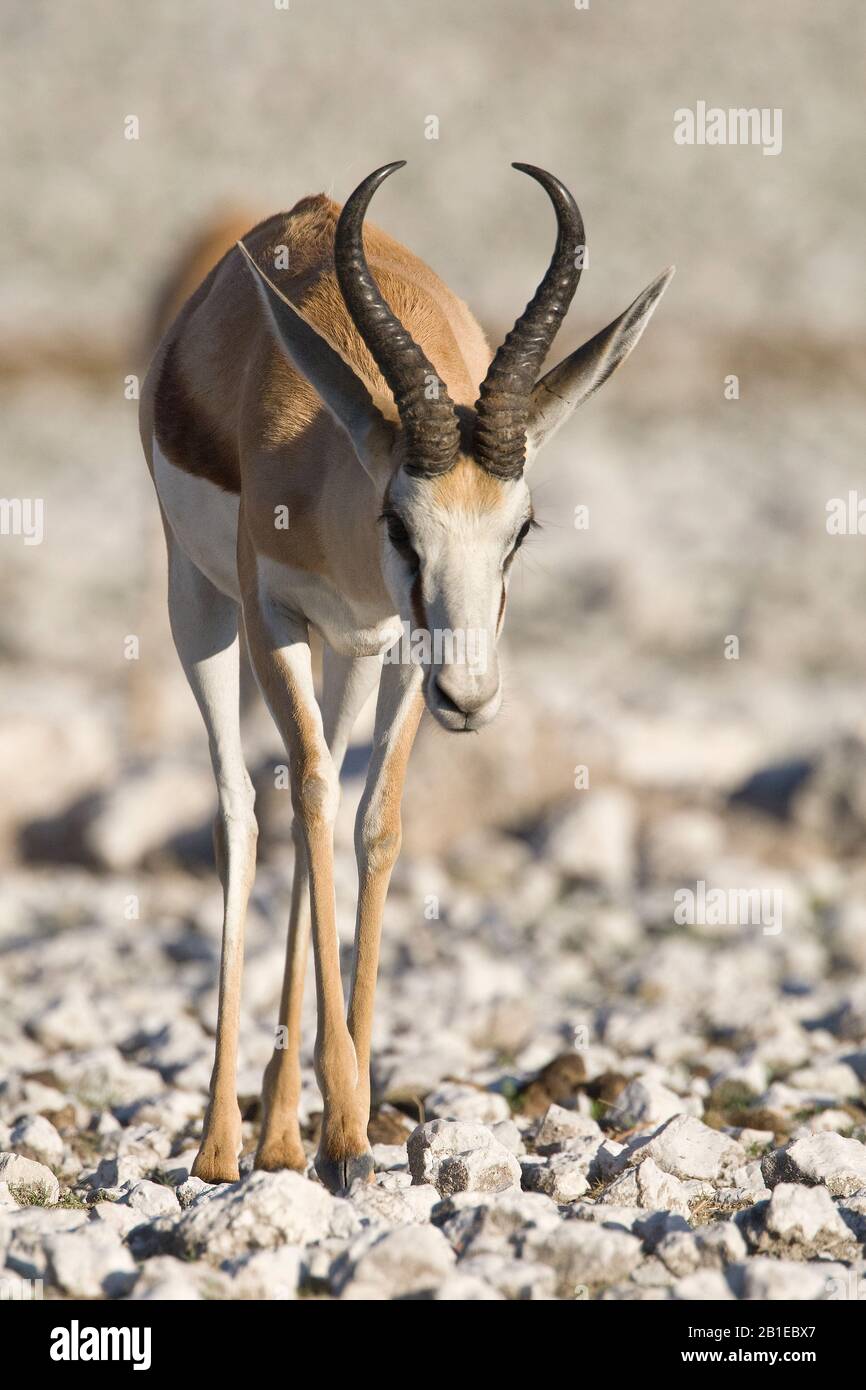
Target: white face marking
pixel 450 548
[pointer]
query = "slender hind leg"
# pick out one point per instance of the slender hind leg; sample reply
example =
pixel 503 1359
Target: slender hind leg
pixel 204 624
pixel 346 683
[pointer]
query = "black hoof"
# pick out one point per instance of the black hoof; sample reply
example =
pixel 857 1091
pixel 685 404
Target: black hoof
pixel 339 1175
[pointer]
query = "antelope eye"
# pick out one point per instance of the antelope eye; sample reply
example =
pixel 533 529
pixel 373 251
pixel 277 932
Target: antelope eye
pixel 397 533
pixel 522 534
pixel 400 539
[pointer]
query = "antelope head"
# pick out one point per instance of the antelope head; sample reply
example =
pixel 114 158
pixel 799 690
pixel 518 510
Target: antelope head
pixel 455 502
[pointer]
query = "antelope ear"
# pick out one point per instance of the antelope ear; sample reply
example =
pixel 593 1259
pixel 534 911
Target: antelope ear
pixel 566 386
pixel 342 391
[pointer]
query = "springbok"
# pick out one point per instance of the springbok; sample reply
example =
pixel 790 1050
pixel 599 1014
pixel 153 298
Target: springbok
pixel 351 395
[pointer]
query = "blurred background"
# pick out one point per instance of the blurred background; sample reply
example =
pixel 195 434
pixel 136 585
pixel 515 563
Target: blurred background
pixel 707 515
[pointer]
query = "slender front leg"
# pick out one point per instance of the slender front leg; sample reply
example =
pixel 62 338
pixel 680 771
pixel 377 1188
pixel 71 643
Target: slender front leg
pixel 377 844
pixel 346 683
pixel 280 652
pixel 204 624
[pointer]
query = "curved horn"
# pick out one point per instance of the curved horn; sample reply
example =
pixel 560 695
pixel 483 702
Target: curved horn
pixel 430 426
pixel 502 407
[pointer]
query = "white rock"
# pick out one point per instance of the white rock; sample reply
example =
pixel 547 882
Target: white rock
pixel 457 1157
pixel 839 1121
pixel 421 1198
pixel 582 1253
pixel 175 1170
pixel 407 1075
pixel 764 1279
pixel 131 1154
pixel 720 1243
pixel 515 1279
pixel 151 803
pixel 804 1217
pixel 389 1157
pixel 150 1199
pixel 7 1201
pixel 103 1079
pixel 165 1279
pixel 68 1021
pixel 679 1253
pixel 456 1102
pixel 619 1218
pixel 90 1262
pixel 261 1212
pixel 39 1138
pixel 464 1288
pixel 112 1174
pixel 178 1289
pixel 704 1286
pixel 826 1080
pixel 25 1232
pixel 687 1148
pixel 25 1173
pixel 644 1102
pixel 679 845
pixel 713 1246
pixel 561 1177
pixel 268 1274
pixel 752 1139
pixel 192 1189
pixel 395 1179
pixel 647 1187
pixel 828 1160
pixel 493 1222
pixel 146 1140
pixel 378 1206
pixel 411 1260
pixel 507 1133
pixel 491 1169
pixel 748 1179
pixel 609 1159
pixel 559 1126
pixel 593 838
pixel 117 1217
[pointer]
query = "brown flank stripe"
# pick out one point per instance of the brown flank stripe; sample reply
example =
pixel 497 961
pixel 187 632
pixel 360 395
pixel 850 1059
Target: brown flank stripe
pixel 186 437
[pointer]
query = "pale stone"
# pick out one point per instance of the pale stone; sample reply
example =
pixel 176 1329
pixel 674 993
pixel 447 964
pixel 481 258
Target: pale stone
pixel 268 1274
pixel 560 1177
pixel 828 1160
pixel 150 1199
pixel 261 1212
pixel 37 1135
pixel 456 1102
pixel 89 1263
pixel 25 1175
pixel 644 1102
pixel 457 1157
pixel 582 1253
pixel 687 1148
pixel 409 1261
pixel 558 1126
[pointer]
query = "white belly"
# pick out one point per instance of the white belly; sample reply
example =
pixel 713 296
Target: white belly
pixel 204 520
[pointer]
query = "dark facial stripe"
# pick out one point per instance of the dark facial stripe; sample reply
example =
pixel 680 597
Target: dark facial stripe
pixel 419 614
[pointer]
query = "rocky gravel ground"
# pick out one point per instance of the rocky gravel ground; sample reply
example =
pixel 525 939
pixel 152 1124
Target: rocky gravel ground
pixel 576 1096
pixel 585 1086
